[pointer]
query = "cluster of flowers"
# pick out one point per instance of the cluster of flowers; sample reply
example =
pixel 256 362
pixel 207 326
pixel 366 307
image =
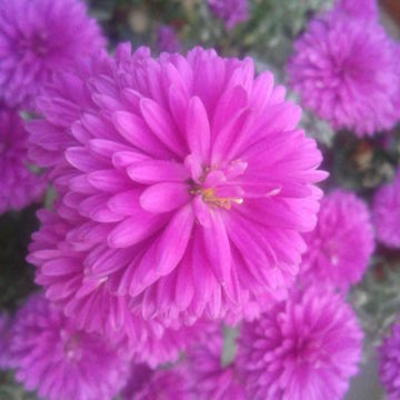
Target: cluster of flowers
pixel 187 201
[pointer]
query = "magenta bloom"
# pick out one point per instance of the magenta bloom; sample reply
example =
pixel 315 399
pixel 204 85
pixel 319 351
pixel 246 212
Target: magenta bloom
pixel 345 69
pixel 162 384
pixel 342 243
pixel 386 213
pixel 306 347
pixel 39 38
pixel 62 363
pixel 389 368
pixel 232 12
pixel 167 40
pixel 158 189
pixel 210 379
pixel 19 186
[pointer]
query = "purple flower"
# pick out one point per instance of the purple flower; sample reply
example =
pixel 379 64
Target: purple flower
pixel 389 363
pixel 346 70
pixel 148 384
pixel 157 189
pixel 167 40
pixel 232 12
pixel 306 347
pixel 62 363
pixel 39 38
pixel 210 379
pixel 18 185
pixel 342 243
pixel 386 213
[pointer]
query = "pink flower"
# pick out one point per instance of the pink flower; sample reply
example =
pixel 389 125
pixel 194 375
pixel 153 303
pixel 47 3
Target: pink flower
pixel 232 12
pixel 158 189
pixel 19 187
pixel 210 379
pixel 39 38
pixel 340 247
pixel 97 308
pixel 386 213
pixel 304 348
pixel 162 384
pixel 346 70
pixel 62 363
pixel 389 367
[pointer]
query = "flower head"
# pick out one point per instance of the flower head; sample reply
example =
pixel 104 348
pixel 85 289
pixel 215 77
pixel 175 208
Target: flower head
pixel 386 213
pixel 232 12
pixel 39 38
pixel 62 363
pixel 346 70
pixel 389 364
pixel 340 246
pixel 157 189
pixel 167 40
pixel 209 377
pixel 18 185
pixel 306 347
pixel 148 384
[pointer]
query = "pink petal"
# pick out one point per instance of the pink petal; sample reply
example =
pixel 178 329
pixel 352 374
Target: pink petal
pixel 162 126
pixel 136 132
pixel 164 197
pixel 154 171
pixel 165 254
pixel 198 129
pixel 134 229
pixel 80 158
pixel 108 180
pixel 218 248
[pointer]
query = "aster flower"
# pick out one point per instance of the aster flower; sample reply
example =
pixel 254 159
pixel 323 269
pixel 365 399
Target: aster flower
pixel 167 40
pixel 346 70
pixel 209 377
pixel 148 384
pixel 304 348
pixel 232 12
pixel 342 243
pixel 62 363
pixel 18 185
pixel 38 38
pixel 157 189
pixel 389 363
pixel 148 340
pixel 386 213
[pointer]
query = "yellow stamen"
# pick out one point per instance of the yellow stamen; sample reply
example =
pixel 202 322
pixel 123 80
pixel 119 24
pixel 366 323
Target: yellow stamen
pixel 209 197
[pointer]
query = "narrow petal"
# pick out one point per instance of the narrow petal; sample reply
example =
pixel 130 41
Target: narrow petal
pixel 162 126
pixel 154 171
pixel 164 197
pixel 137 133
pixel 133 230
pixel 198 129
pixel 164 254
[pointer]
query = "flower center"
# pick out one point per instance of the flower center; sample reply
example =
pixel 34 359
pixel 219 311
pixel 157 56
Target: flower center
pixel 218 187
pixel 210 197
